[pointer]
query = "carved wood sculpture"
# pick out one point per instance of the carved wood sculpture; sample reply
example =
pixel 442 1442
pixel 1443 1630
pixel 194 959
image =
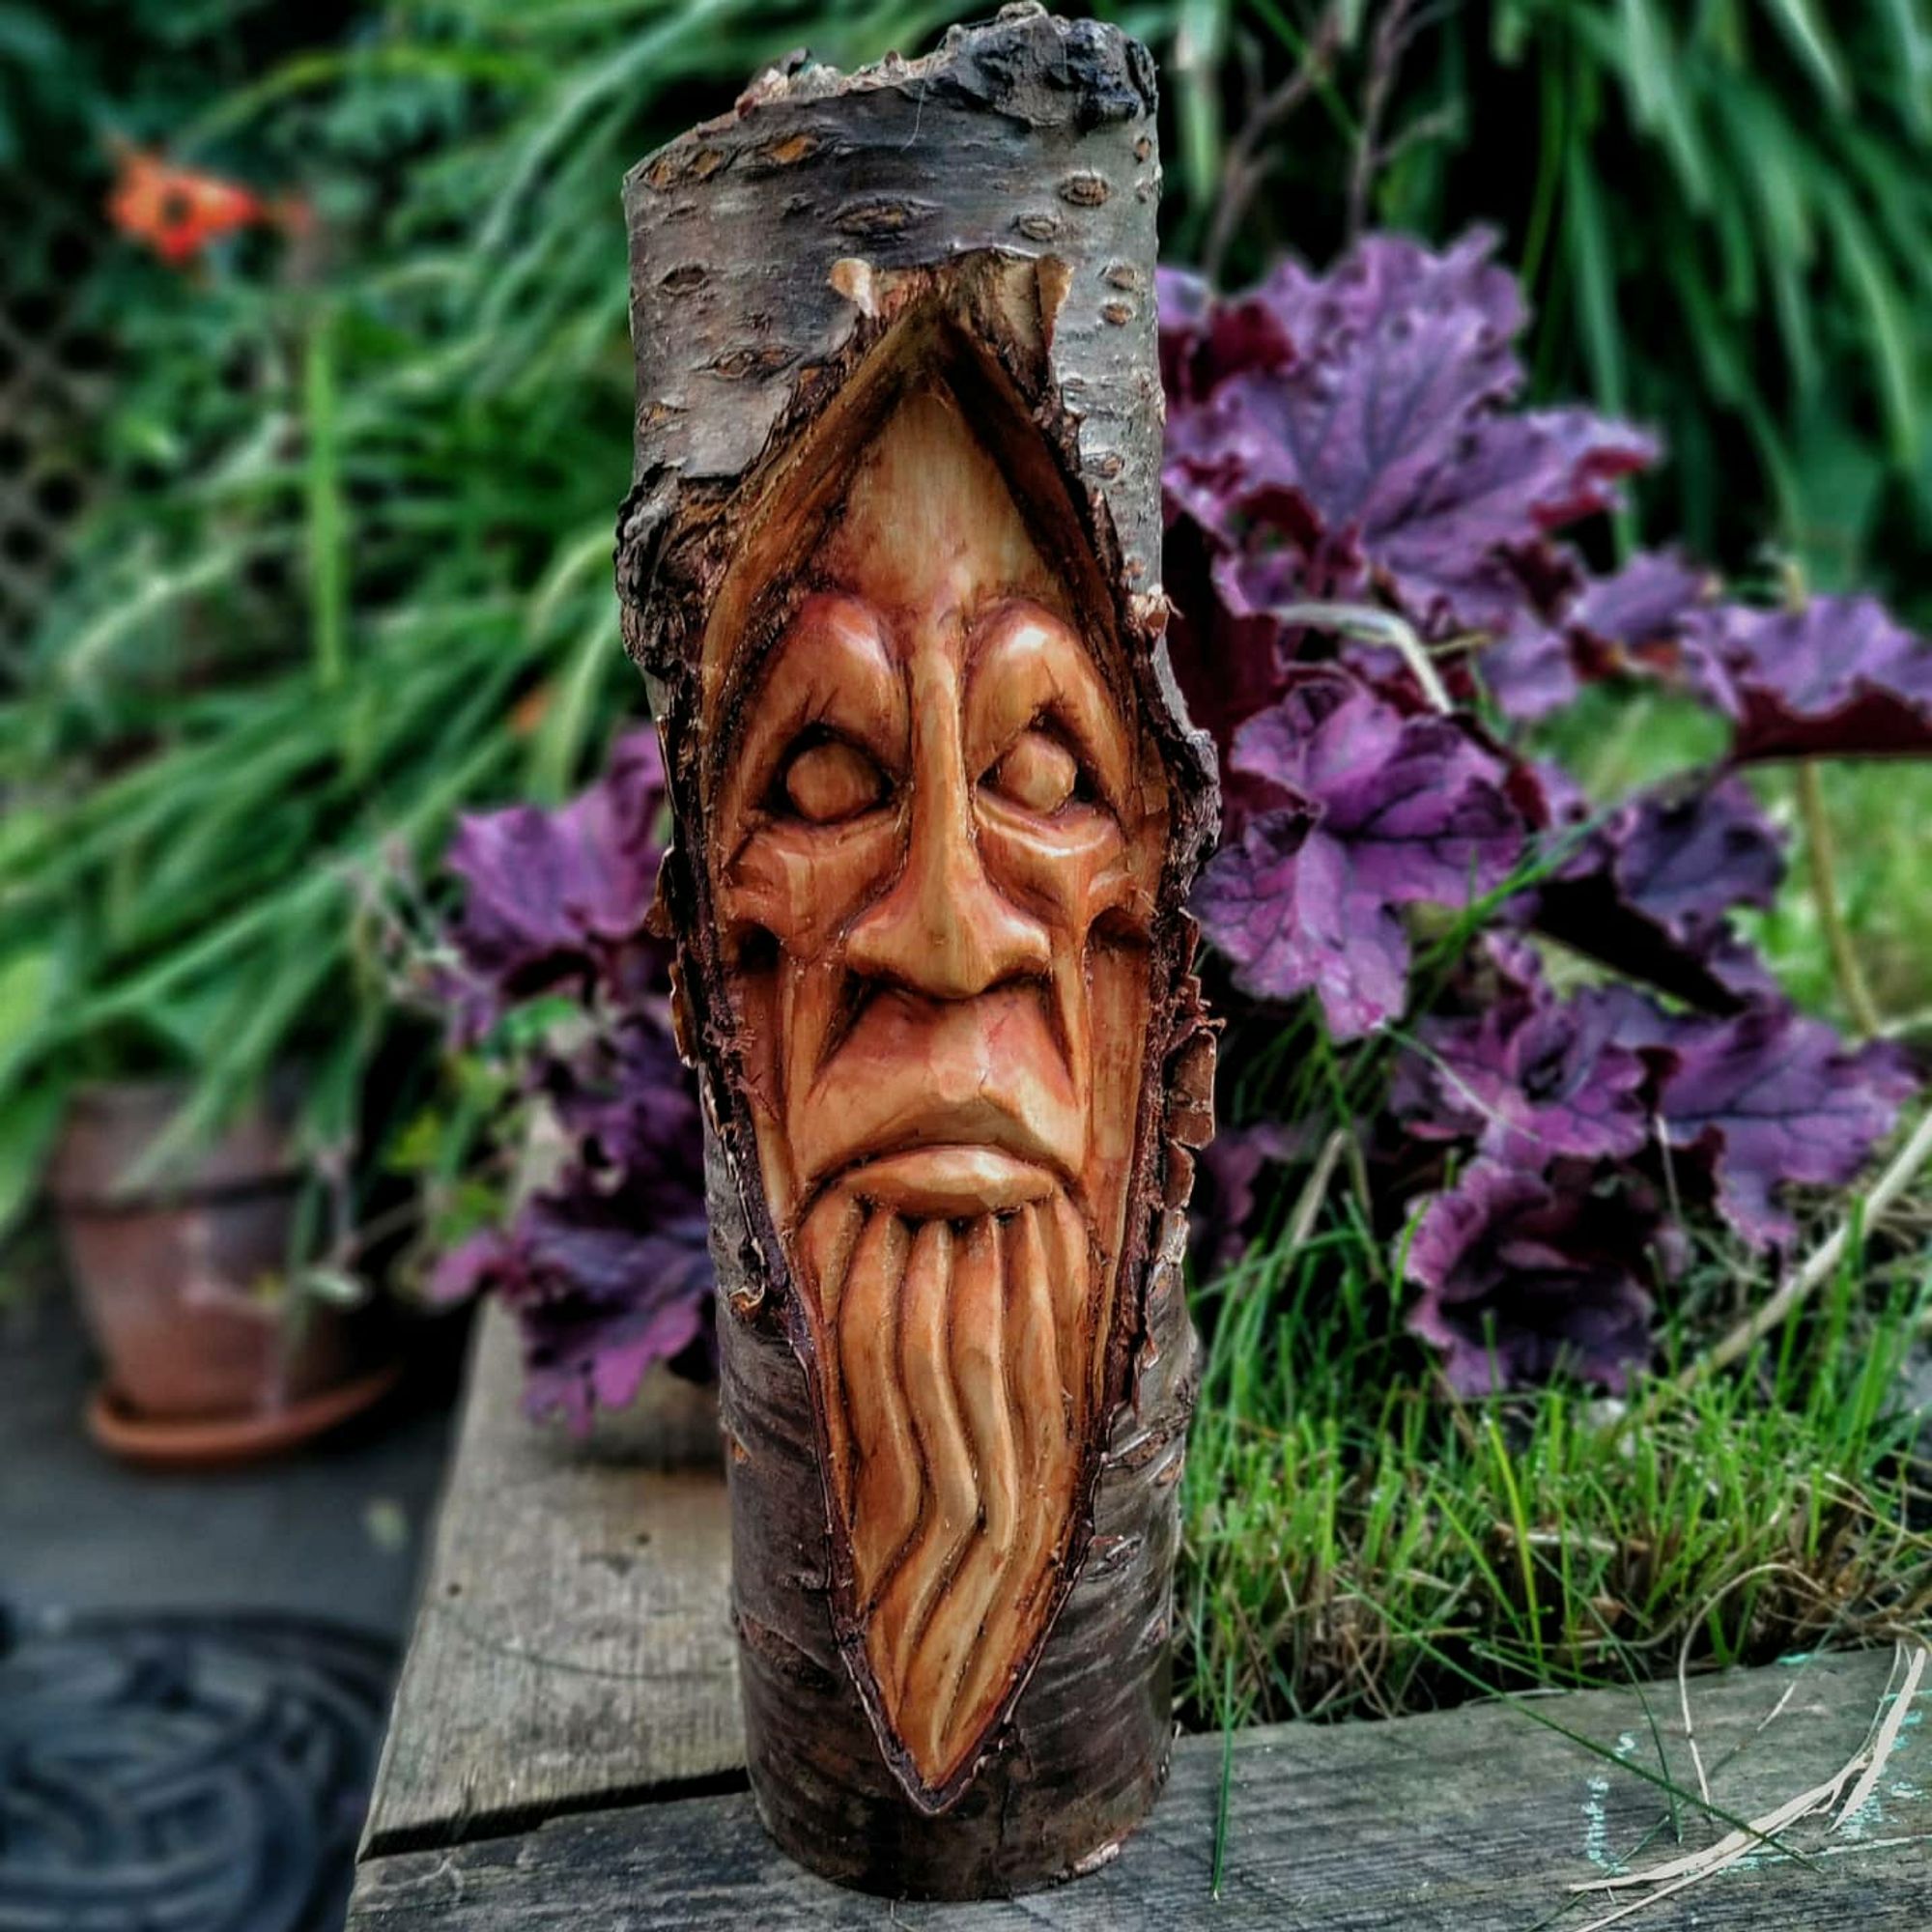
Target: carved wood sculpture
pixel 891 566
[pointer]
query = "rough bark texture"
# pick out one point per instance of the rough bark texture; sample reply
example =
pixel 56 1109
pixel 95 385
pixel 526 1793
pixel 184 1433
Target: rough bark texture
pixel 991 206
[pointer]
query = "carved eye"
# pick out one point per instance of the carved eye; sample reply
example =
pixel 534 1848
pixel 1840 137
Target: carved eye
pixel 831 781
pixel 1039 774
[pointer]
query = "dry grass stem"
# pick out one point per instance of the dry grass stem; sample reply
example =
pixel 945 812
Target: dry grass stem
pixel 1887 1738
pixel 1846 968
pixel 1861 1771
pixel 1373 625
pixel 1823 1260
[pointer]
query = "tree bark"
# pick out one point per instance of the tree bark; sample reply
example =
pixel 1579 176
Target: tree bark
pixel 963 246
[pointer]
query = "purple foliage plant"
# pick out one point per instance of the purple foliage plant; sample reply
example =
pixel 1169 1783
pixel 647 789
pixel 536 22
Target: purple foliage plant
pixel 1375 607
pixel 1377 603
pixel 604 1260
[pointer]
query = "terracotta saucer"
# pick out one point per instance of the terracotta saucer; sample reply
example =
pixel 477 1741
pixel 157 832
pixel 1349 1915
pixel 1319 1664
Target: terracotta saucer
pixel 209 1442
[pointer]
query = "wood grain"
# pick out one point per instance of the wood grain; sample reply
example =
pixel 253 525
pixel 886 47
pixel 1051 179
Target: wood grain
pixel 1472 1821
pixel 573 1645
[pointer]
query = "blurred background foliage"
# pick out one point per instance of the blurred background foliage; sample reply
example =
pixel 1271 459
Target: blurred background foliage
pixel 333 553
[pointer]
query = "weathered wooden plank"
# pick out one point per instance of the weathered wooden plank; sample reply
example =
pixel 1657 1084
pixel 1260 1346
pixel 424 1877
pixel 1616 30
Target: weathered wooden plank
pixel 1471 1821
pixel 573 1646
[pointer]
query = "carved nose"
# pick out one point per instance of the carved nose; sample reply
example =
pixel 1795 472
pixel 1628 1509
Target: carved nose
pixel 945 929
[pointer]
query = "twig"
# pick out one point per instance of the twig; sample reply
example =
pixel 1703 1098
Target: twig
pixel 1373 625
pixel 1308 1203
pixel 1682 1873
pixel 1821 857
pixel 1245 165
pixel 1396 31
pixel 1692 1625
pixel 1678 1874
pixel 1822 1262
pixel 1886 1739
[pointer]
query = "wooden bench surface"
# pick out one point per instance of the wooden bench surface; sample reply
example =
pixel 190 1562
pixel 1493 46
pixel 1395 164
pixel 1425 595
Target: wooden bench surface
pixel 564 1749
pixel 572 1644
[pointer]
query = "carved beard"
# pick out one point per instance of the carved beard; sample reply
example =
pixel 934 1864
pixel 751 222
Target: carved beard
pixel 956 1362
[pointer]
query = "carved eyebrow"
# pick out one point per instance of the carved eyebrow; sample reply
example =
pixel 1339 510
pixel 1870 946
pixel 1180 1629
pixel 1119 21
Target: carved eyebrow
pixel 830 669
pixel 1027 663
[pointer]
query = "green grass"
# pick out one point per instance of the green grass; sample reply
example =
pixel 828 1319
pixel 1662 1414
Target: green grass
pixel 1360 1543
pixel 1876 816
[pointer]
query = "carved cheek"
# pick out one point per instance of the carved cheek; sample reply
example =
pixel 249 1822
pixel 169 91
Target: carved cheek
pixel 802 885
pixel 1067 869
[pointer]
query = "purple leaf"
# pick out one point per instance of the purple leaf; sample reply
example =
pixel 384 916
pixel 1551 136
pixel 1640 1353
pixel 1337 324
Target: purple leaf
pixel 1228 663
pixel 599 1295
pixel 1365 810
pixel 630 1106
pixel 602 1305
pixel 1522 1275
pixel 1527 668
pixel 1205 337
pixel 1651 890
pixel 608 1270
pixel 553 896
pixel 1346 436
pixel 475 1266
pixel 1839 678
pixel 1760 1102
pixel 1529 1078
pixel 1630 621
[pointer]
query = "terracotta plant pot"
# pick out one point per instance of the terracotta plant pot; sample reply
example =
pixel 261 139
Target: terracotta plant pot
pixel 202 1366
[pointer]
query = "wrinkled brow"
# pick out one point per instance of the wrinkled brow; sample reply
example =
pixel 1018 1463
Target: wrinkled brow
pixel 1026 663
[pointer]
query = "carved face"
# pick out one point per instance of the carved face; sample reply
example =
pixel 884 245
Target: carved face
pixel 938 832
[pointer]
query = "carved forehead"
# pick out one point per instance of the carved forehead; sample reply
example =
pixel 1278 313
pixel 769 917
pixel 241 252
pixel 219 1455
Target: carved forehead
pixel 926 495
pixel 930 525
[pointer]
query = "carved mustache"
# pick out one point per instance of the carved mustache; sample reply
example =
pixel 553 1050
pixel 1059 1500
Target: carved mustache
pixel 913 1072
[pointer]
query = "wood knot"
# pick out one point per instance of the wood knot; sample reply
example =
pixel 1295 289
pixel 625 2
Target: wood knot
pixel 1118 313
pixel 735 364
pixel 1041 226
pixel 679 163
pixel 1108 1555
pixel 1084 188
pixel 786 151
pixel 1122 276
pixel 852 276
pixel 882 215
pixel 684 278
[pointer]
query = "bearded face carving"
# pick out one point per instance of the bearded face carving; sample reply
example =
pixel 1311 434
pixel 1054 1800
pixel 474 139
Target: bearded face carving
pixel 937 829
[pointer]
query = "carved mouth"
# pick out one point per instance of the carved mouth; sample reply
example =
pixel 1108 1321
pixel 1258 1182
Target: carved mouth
pixel 951 1181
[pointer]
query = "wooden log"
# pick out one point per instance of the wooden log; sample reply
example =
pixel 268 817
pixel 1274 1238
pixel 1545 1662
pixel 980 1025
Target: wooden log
pixel 891 567
pixel 571 1646
pixel 1476 1820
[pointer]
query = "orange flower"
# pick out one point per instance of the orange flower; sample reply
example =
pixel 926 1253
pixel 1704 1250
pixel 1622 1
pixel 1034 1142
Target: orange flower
pixel 178 211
